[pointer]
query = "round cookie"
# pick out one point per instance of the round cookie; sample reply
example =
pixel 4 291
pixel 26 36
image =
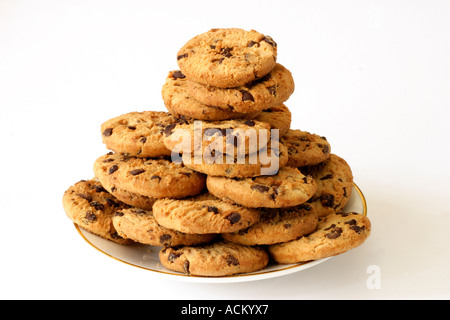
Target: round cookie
pixel 266 161
pixel 141 226
pixel 214 260
pixel 279 117
pixel 150 177
pixel 269 91
pixel 335 234
pixel 227 136
pixel 305 148
pixel 288 188
pixel 92 208
pixel 203 214
pixel 130 198
pixel 179 102
pixel 227 57
pixel 138 133
pixel 334 180
pixel 275 226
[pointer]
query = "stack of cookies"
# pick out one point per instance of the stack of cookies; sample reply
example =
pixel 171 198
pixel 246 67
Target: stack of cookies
pixel 221 181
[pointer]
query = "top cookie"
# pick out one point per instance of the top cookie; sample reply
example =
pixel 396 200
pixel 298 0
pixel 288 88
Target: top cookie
pixel 227 57
pixel 138 133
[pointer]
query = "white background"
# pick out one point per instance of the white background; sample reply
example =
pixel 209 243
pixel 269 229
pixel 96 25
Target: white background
pixel 371 76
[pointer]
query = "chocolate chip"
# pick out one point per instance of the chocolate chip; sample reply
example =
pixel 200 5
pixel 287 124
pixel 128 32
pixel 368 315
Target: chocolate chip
pixel 137 172
pixel 357 229
pixel 143 140
pixel 327 200
pixel 234 217
pixel 252 43
pixel 325 149
pixel 99 189
pixel 186 267
pixel 119 214
pixel 260 188
pixel 213 209
pixel 169 129
pixel 165 239
pixel 132 128
pixel 182 56
pixel 173 256
pixel 305 206
pixel 226 52
pixel 272 90
pixel 178 75
pixel 243 231
pixel 334 234
pixel 155 177
pixel 97 205
pixel 90 217
pixel 328 176
pixel 351 222
pixel 212 46
pixel 270 41
pixel 113 169
pixel 85 196
pixel 250 123
pixel 231 260
pixel 330 227
pixel 246 96
pixel 108 132
pixel 287 226
pixel 111 202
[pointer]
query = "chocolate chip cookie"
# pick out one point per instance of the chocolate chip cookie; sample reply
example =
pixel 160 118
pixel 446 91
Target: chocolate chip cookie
pixel 305 148
pixel 227 58
pixel 288 188
pixel 203 214
pixel 92 208
pixel 270 91
pixel 334 184
pixel 141 226
pixel 214 260
pixel 150 177
pixel 266 161
pixel 237 136
pixel 138 133
pixel 335 234
pixel 275 226
pixel 179 102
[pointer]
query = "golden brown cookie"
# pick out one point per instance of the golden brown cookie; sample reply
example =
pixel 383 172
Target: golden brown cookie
pixel 269 91
pixel 214 260
pixel 305 148
pixel 92 208
pixel 150 177
pixel 227 57
pixel 141 226
pixel 275 226
pixel 335 234
pixel 279 117
pixel 334 185
pixel 203 214
pixel 288 188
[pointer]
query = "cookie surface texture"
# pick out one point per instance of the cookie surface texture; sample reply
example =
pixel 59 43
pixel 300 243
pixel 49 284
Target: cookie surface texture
pixel 334 180
pixel 288 188
pixel 203 214
pixel 305 148
pixel 269 91
pixel 179 102
pixel 137 133
pixel 92 208
pixel 275 226
pixel 335 234
pixel 279 117
pixel 214 260
pixel 266 161
pixel 227 57
pixel 150 177
pixel 141 226
pixel 227 136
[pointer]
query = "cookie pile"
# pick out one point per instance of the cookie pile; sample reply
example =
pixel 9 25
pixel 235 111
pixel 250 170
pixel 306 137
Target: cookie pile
pixel 220 180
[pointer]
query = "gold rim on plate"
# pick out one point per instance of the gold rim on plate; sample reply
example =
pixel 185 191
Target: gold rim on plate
pixel 361 195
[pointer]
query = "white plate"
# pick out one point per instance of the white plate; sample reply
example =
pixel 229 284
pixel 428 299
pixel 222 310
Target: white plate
pixel 147 257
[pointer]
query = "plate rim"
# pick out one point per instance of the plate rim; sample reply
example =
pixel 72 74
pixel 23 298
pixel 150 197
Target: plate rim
pixel 232 278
